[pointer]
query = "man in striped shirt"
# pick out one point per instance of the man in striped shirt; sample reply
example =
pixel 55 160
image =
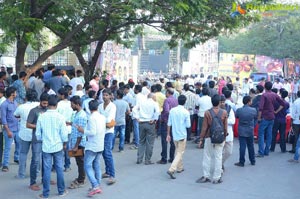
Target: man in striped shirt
pixel 190 105
pixel 52 131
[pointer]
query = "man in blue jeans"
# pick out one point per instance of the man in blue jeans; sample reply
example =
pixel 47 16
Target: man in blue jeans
pixel 108 109
pixel 36 146
pixel 266 116
pixel 10 127
pixel 51 129
pixel 246 116
pixel 122 109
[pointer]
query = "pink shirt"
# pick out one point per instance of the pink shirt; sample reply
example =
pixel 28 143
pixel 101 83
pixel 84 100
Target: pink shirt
pixel 95 85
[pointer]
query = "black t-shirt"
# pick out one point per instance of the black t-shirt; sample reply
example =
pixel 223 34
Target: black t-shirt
pixel 33 117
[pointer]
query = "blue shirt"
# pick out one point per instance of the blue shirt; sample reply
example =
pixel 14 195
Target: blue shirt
pixel 179 119
pixel 7 114
pixel 21 91
pixel 52 130
pixel 80 119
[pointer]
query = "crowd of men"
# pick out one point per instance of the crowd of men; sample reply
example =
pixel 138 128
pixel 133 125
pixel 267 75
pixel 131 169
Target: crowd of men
pixel 59 116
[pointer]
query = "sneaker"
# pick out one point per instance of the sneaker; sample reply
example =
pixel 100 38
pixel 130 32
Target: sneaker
pixel 105 175
pixel 121 151
pixel 16 161
pixel 63 194
pixel 75 184
pixel 239 164
pixel 259 156
pixel 5 169
pixel 41 196
pixel 67 169
pixel 171 174
pixel 180 171
pixel 134 147
pixel 203 180
pixel 161 162
pixel 94 191
pixel 217 181
pixel 149 163
pixel 111 181
pixel 293 161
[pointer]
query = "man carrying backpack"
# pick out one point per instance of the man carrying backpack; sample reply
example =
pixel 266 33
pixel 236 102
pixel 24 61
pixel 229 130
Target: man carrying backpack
pixel 214 131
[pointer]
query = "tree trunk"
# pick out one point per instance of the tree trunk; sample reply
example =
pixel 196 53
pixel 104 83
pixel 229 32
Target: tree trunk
pixel 88 67
pixel 20 56
pixel 38 63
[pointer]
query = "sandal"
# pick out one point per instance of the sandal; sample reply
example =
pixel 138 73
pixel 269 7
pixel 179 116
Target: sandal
pixel 75 184
pixel 5 169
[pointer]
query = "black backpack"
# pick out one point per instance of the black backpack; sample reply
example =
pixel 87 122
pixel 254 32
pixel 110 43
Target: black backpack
pixel 217 128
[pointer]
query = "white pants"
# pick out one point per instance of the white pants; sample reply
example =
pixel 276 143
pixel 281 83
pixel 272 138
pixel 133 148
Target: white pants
pixel 212 151
pixel 227 151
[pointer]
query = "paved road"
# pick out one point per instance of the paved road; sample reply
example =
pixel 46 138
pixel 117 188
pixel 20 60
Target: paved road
pixel 272 178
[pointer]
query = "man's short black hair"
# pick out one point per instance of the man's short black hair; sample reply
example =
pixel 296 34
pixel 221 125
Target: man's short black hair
pixel 181 100
pixel 268 85
pixel 215 100
pixel 227 94
pixel 91 93
pixel 211 84
pixel 76 100
pixel 138 88
pixel 186 87
pixel 93 105
pixel 274 90
pixel 64 92
pixel 260 88
pixel 10 91
pixel 31 95
pixel 52 100
pixel 284 94
pixel 120 93
pixel 44 97
pixel 246 99
pixel 205 91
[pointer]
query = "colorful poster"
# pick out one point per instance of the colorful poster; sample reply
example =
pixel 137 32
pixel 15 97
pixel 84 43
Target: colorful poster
pixel 235 65
pixel 116 61
pixel 264 64
pixel 292 68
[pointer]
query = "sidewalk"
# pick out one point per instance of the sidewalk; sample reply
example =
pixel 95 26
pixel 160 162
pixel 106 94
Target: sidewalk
pixel 271 178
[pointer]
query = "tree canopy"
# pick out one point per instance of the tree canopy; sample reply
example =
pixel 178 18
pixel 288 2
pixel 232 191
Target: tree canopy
pixel 276 35
pixel 78 23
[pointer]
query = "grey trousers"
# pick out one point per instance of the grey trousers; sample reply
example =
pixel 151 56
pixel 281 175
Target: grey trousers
pixel 147 137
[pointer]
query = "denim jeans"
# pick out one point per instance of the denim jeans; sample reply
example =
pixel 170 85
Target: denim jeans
pixel 107 155
pixel 121 130
pixel 58 165
pixel 92 167
pixel 249 143
pixel 7 146
pixel 36 148
pixel 24 148
pixel 278 126
pixel 66 155
pixel 136 132
pixel 265 129
pixel 199 127
pixel 1 148
pixel 296 156
pixel 164 144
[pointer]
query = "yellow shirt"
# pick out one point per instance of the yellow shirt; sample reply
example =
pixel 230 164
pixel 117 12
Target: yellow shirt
pixel 160 99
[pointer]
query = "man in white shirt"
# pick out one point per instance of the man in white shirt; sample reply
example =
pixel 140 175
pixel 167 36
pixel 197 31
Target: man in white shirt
pixel 139 98
pixel 74 82
pixel 204 104
pixel 145 89
pixel 64 108
pixel 296 121
pixel 25 134
pixel 147 115
pixel 108 109
pixel 95 132
pixel 228 146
